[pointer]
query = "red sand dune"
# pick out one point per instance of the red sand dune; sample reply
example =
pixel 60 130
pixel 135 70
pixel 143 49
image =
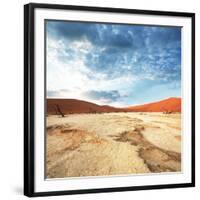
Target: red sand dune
pixel 167 105
pixel 69 106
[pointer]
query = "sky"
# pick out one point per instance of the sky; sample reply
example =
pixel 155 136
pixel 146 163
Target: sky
pixel 112 64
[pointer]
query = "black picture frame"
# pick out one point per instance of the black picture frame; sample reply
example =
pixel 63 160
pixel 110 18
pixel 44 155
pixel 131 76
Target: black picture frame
pixel 29 98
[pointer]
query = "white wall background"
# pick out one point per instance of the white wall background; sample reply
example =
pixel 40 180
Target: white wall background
pixel 11 97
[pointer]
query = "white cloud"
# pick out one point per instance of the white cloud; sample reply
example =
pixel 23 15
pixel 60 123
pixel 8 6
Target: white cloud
pixel 71 78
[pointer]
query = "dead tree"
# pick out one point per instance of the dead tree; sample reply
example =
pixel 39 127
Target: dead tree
pixel 56 110
pixel 59 110
pixel 166 111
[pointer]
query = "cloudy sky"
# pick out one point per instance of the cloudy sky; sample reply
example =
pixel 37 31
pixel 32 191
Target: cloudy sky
pixel 112 64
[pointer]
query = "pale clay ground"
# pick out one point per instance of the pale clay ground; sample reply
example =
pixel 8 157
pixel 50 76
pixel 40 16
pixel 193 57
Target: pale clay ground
pixel 113 144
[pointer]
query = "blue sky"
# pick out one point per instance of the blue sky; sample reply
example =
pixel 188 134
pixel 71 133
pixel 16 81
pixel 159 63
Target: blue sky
pixel 113 64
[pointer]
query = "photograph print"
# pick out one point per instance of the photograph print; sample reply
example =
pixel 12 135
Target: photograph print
pixel 113 99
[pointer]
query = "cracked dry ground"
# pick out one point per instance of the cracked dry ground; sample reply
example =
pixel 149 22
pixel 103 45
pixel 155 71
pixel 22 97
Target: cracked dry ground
pixel 112 144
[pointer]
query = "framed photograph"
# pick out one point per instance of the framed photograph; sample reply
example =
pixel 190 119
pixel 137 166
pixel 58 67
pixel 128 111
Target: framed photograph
pixel 108 99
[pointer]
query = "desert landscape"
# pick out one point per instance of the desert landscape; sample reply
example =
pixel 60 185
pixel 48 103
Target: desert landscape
pixel 86 139
pixel 113 99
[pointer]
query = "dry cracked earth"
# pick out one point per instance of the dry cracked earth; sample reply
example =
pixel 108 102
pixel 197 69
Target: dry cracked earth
pixel 112 144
